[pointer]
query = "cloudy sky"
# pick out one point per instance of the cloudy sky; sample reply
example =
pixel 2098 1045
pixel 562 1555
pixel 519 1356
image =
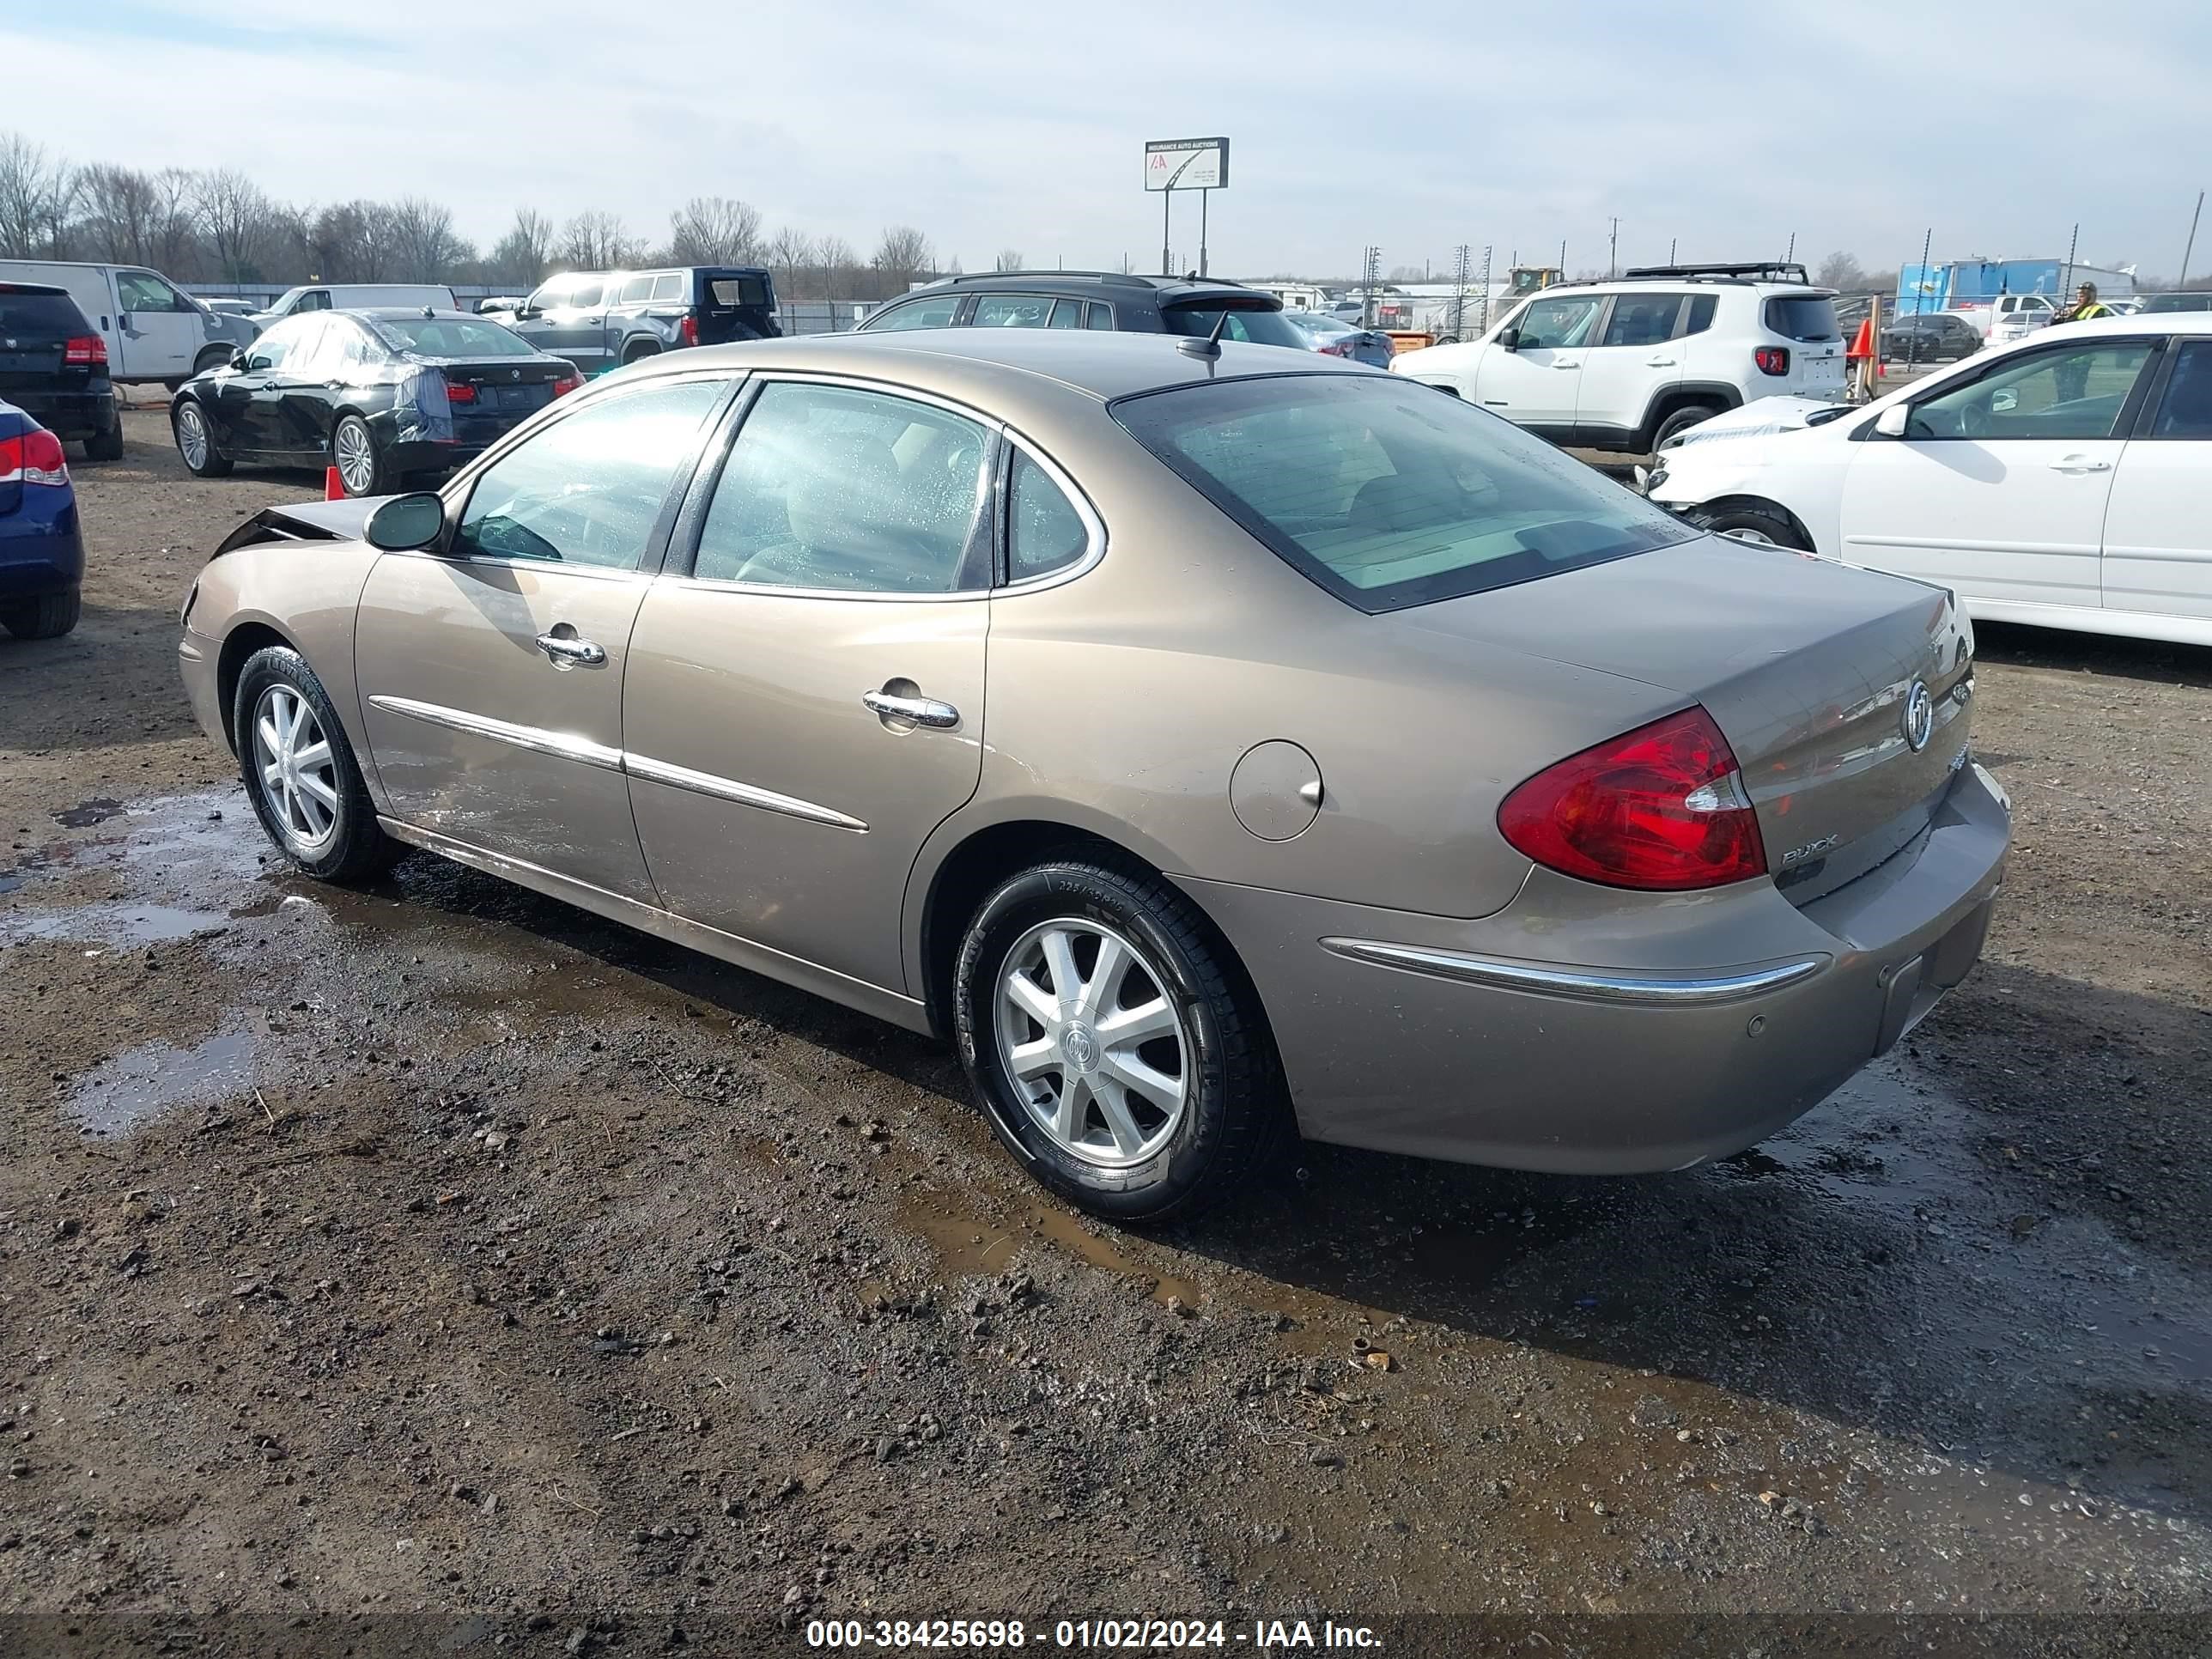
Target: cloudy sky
pixel 1414 125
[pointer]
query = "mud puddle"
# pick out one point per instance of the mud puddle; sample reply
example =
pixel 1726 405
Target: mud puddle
pixel 965 1246
pixel 156 1079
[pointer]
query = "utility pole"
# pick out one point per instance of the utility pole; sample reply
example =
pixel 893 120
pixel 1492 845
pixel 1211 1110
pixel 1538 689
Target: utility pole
pixel 2182 281
pixel 1202 198
pixel 1371 274
pixel 1613 250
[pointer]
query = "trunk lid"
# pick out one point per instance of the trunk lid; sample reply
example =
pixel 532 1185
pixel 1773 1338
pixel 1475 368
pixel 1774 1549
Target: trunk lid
pixel 505 385
pixel 1809 667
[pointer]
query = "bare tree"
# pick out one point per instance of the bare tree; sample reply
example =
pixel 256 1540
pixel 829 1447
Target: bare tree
pixel 175 236
pixel 596 241
pixel 233 212
pixel 1010 258
pixel 903 254
pixel 839 265
pixel 424 244
pixel 788 250
pixel 1840 270
pixel 35 193
pixel 520 257
pixel 714 230
pixel 122 207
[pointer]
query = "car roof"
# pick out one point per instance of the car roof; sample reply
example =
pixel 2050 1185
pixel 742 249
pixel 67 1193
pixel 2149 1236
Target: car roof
pixel 2154 322
pixel 396 314
pixel 1000 370
pixel 1094 285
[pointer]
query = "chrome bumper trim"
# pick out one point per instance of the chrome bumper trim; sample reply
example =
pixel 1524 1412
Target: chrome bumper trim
pixel 1581 985
pixel 536 738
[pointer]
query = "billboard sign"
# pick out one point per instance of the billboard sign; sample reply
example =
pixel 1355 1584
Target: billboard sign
pixel 1187 164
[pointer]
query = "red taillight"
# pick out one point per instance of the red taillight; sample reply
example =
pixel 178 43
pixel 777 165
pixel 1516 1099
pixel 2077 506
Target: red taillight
pixel 689 330
pixel 1772 360
pixel 460 392
pixel 566 384
pixel 84 348
pixel 35 458
pixel 1661 808
pixel 1335 348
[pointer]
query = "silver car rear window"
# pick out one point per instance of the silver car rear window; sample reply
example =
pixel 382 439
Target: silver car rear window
pixel 1386 492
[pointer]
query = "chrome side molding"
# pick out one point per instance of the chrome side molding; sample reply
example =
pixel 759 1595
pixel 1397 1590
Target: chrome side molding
pixel 1581 985
pixel 568 746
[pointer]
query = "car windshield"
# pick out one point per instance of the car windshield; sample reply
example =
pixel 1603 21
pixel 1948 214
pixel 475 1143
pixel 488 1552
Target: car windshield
pixel 1255 321
pixel 450 337
pixel 1387 493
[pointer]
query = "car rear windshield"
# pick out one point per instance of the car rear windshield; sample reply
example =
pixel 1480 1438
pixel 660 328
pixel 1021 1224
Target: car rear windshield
pixel 1314 323
pixel 747 291
pixel 40 316
pixel 1248 319
pixel 1803 319
pixel 451 336
pixel 1386 492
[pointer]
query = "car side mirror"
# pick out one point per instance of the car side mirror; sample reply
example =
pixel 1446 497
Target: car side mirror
pixel 1509 339
pixel 237 358
pixel 1892 421
pixel 406 522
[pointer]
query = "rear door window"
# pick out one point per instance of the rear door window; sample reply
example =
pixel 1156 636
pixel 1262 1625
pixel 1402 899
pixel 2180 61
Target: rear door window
pixel 1045 529
pixel 1011 311
pixel 635 289
pixel 668 286
pixel 1067 314
pixel 1642 319
pixel 1386 495
pixel 1699 316
pixel 2186 411
pixel 1101 316
pixel 836 489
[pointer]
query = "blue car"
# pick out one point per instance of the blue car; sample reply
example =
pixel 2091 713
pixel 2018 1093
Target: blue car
pixel 41 548
pixel 1337 338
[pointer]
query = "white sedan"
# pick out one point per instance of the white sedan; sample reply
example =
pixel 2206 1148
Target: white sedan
pixel 2065 480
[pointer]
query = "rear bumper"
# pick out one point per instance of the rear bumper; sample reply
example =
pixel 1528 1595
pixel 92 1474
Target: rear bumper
pixel 1714 1021
pixel 42 547
pixel 85 414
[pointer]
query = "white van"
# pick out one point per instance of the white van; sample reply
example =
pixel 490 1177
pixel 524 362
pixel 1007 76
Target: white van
pixel 154 330
pixel 347 296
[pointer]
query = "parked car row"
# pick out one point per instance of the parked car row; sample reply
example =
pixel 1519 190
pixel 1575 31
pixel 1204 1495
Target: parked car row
pixel 153 331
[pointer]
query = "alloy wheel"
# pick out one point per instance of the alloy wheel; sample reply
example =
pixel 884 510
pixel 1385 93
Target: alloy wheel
pixel 1097 1054
pixel 299 774
pixel 356 456
pixel 191 437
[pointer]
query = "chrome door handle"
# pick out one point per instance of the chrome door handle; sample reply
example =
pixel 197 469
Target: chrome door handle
pixel 1658 362
pixel 1570 368
pixel 922 711
pixel 566 650
pixel 2080 464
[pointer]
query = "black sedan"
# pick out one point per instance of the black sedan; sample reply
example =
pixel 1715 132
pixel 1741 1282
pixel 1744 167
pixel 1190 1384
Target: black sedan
pixel 381 395
pixel 1935 337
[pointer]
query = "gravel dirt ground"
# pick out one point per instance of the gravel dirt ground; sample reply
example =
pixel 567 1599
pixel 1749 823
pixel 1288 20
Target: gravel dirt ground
pixel 436 1268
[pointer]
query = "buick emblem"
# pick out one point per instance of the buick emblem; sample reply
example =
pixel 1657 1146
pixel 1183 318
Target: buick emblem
pixel 1920 716
pixel 1080 1047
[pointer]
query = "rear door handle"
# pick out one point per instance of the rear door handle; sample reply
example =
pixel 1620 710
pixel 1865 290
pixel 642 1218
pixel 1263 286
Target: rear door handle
pixel 2080 464
pixel 567 651
pixel 1658 362
pixel 1570 368
pixel 922 711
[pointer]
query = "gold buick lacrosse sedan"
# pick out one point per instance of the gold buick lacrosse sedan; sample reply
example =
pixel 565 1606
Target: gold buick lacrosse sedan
pixel 1212 740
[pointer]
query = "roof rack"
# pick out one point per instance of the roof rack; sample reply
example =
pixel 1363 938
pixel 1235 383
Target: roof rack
pixel 1761 270
pixel 1116 278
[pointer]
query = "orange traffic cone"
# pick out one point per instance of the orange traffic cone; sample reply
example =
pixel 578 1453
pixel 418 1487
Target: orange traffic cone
pixel 333 486
pixel 1863 345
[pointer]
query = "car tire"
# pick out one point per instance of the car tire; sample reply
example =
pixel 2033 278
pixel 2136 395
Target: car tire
pixel 1676 420
pixel 1768 526
pixel 105 446
pixel 196 444
pixel 47 617
pixel 304 782
pixel 362 470
pixel 1126 1153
